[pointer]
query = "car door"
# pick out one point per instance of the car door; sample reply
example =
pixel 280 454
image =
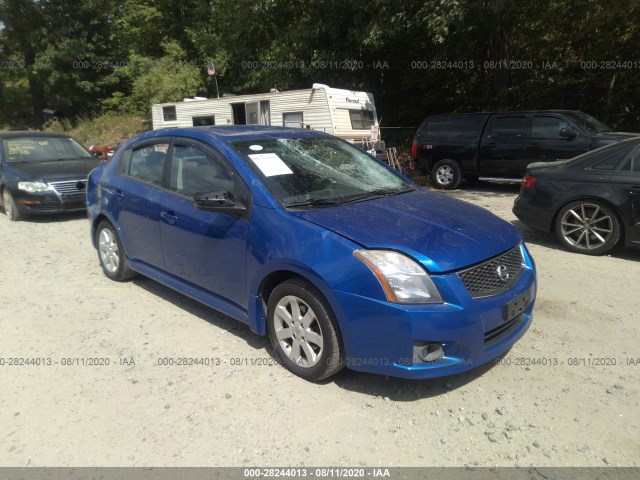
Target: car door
pixel 133 194
pixel 625 182
pixel 204 248
pixel 502 147
pixel 547 144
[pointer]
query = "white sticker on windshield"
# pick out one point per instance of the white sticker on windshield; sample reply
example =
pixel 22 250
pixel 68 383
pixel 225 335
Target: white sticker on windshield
pixel 270 164
pixel 255 148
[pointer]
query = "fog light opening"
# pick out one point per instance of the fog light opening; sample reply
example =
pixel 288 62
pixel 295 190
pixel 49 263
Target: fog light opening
pixel 428 353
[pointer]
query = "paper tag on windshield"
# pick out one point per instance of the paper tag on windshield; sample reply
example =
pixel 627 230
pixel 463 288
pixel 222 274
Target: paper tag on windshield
pixel 270 164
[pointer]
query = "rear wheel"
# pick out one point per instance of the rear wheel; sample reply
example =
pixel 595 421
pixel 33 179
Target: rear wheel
pixel 111 254
pixel 588 227
pixel 303 330
pixel 10 207
pixel 446 174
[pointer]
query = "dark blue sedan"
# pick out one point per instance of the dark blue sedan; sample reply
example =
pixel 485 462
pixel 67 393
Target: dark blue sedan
pixel 307 239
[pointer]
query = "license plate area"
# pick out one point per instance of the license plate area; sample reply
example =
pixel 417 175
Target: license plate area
pixel 516 306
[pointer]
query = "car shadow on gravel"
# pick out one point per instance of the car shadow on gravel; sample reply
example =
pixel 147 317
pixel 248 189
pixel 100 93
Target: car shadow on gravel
pixel 403 390
pixel 396 389
pixel 199 310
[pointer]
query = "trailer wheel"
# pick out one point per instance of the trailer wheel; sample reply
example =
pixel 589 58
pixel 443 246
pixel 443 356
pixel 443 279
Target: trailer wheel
pixel 446 174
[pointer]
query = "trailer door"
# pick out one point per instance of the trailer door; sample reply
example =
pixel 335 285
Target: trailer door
pixel 238 113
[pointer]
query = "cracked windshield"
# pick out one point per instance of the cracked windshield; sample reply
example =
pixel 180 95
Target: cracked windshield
pixel 306 172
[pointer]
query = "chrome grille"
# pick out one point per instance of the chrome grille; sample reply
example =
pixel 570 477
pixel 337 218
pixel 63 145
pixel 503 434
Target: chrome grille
pixel 483 280
pixel 69 186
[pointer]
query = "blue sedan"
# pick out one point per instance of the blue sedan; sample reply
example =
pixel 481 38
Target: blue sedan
pixel 336 257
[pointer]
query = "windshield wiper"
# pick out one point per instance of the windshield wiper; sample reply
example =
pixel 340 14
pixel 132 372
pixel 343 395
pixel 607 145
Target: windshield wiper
pixel 380 192
pixel 313 202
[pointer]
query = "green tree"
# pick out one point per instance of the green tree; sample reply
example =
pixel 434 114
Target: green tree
pixel 167 79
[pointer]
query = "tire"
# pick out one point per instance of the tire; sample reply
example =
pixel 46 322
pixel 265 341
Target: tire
pixel 587 226
pixel 10 207
pixel 446 174
pixel 111 255
pixel 303 330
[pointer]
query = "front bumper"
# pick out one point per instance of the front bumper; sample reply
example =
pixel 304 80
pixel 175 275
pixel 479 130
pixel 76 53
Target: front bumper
pixel 472 332
pixel 50 203
pixel 62 196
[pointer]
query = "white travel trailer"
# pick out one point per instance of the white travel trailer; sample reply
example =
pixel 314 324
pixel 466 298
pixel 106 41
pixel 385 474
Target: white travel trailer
pixel 344 113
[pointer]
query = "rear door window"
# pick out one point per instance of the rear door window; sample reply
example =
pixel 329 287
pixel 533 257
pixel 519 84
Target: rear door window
pixel 547 127
pixel 632 162
pixel 510 126
pixel 452 127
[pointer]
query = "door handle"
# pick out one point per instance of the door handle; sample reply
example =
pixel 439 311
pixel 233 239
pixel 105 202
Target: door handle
pixel 169 218
pixel 635 189
pixel 118 194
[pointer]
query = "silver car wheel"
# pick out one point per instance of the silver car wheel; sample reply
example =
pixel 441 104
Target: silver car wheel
pixel 108 248
pixel 444 175
pixel 298 331
pixel 586 226
pixel 10 208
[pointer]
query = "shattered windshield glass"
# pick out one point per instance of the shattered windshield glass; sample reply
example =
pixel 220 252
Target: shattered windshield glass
pixel 318 171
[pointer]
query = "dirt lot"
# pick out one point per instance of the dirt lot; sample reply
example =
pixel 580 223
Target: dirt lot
pixel 565 395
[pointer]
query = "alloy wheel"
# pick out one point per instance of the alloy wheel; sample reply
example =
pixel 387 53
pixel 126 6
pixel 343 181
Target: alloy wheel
pixel 444 175
pixel 298 331
pixel 586 226
pixel 108 249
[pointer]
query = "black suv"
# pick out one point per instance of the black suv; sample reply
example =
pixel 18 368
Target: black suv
pixel 501 145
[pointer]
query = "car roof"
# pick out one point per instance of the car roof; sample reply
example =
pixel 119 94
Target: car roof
pixel 30 133
pixel 231 133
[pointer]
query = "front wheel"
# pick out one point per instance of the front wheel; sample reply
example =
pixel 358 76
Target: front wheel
pixel 10 207
pixel 303 330
pixel 111 254
pixel 588 227
pixel 446 174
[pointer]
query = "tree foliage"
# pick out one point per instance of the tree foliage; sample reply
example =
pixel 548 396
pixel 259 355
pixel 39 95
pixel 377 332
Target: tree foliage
pixel 416 57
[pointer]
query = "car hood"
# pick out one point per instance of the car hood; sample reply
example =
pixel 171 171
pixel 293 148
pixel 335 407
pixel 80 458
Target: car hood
pixel 616 136
pixel 441 232
pixel 55 170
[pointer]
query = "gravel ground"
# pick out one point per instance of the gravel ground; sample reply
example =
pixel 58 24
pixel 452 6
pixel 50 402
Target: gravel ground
pixel 565 395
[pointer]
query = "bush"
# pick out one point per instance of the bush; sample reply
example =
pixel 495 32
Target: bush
pixel 108 129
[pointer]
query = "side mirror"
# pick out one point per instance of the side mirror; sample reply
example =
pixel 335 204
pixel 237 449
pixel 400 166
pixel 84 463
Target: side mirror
pixel 568 132
pixel 221 201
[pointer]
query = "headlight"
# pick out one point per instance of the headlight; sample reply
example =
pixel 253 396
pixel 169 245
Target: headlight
pixel 33 187
pixel 402 279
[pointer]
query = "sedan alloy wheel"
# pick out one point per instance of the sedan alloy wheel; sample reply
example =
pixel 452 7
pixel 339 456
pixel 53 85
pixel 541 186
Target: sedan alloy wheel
pixel 588 227
pixel 303 330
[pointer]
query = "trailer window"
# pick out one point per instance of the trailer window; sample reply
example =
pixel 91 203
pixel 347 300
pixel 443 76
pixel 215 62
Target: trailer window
pixel 361 119
pixel 293 119
pixel 204 121
pixel 169 113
